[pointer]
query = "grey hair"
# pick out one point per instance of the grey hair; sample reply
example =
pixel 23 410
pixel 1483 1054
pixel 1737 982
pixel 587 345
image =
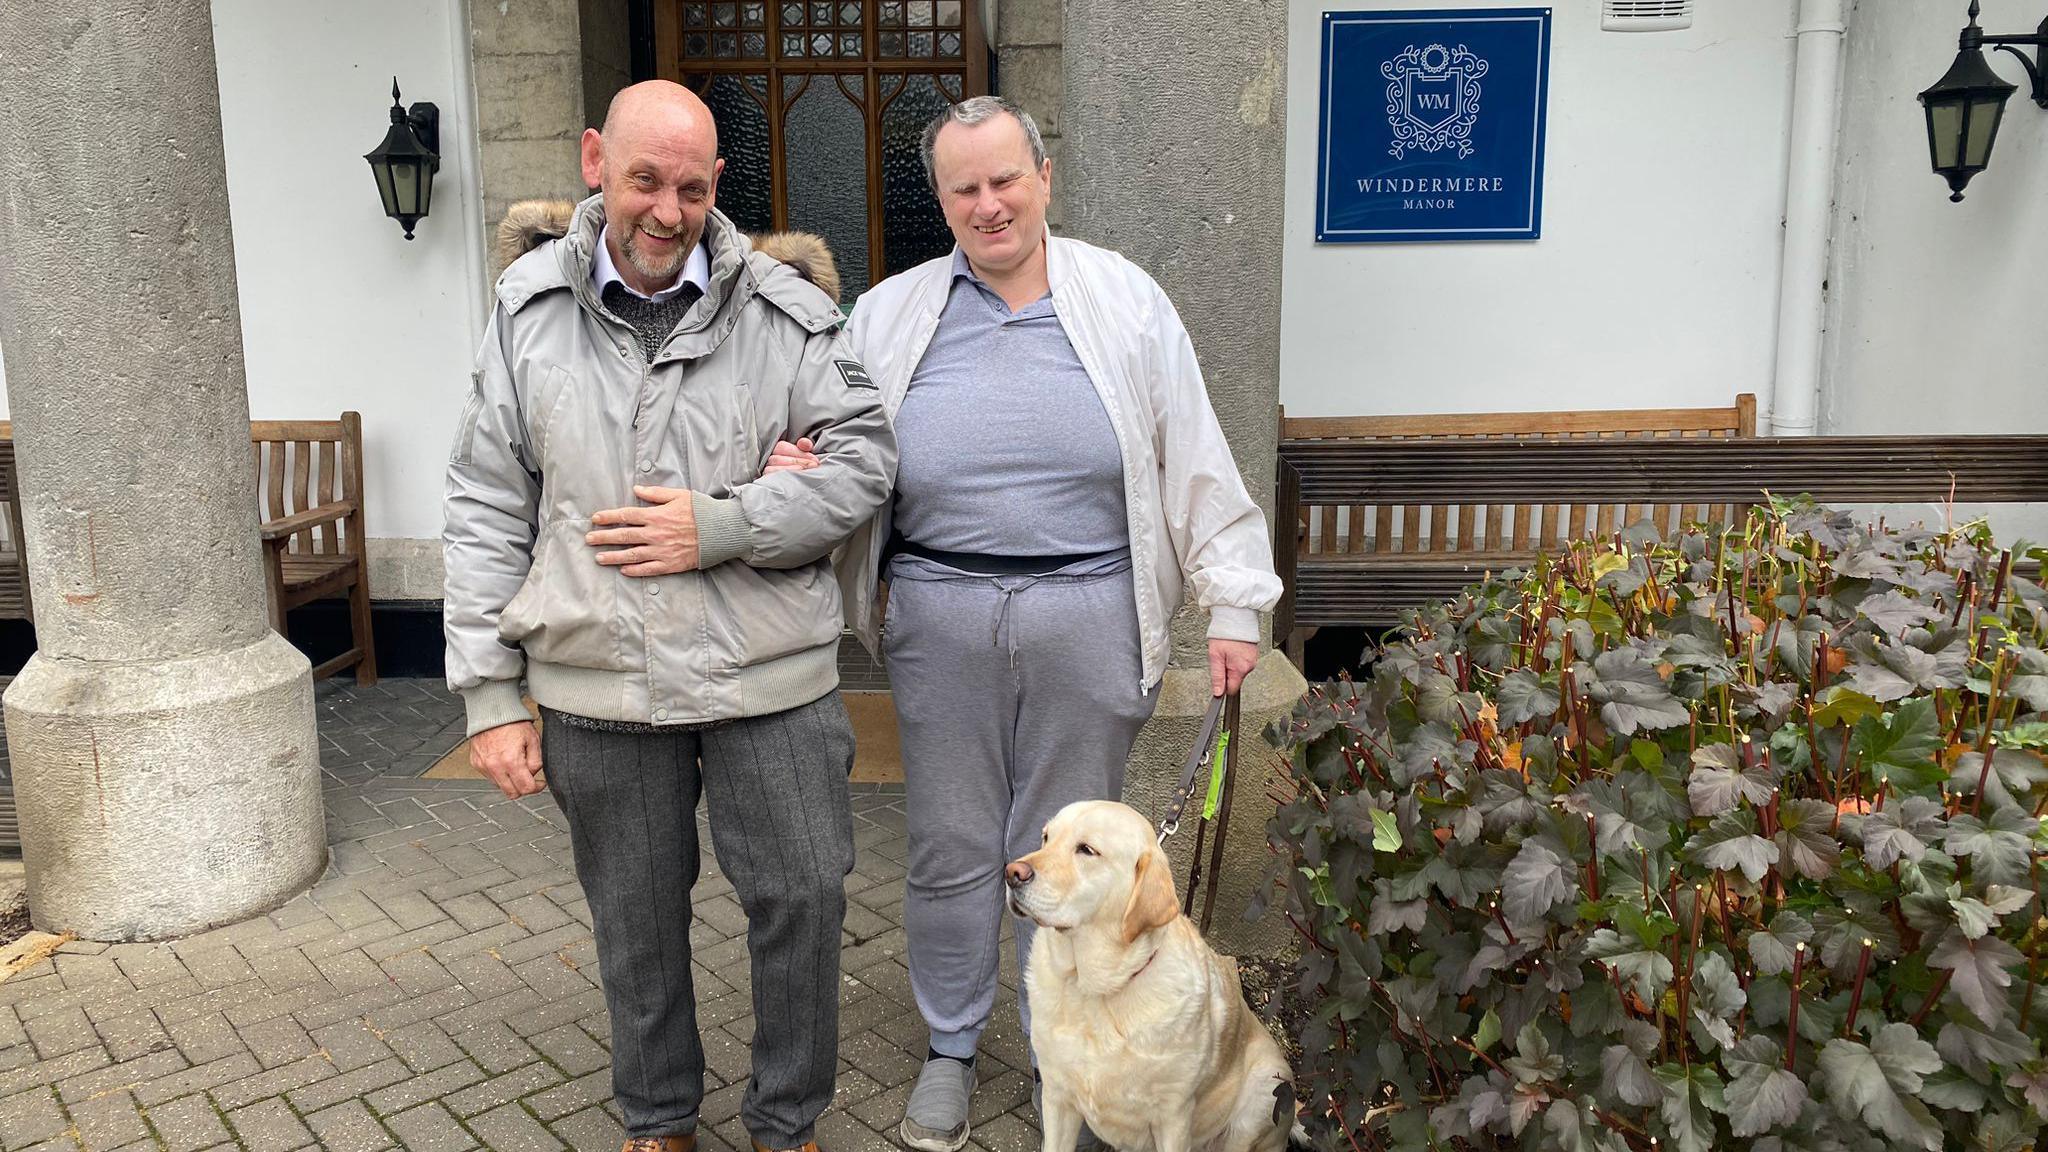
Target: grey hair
pixel 979 110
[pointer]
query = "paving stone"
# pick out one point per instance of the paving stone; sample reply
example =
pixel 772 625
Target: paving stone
pixel 268 1126
pixel 132 1035
pixel 423 1046
pixel 349 1127
pixel 199 1078
pixel 27 1117
pixel 276 1041
pixel 188 1123
pixel 512 1129
pixel 430 1128
pixel 504 1089
pixel 116 1077
pixel 109 1121
pixel 350 1045
pixel 419 1089
pixel 589 1130
pixel 573 1096
pixel 348 1085
pixel 274 1082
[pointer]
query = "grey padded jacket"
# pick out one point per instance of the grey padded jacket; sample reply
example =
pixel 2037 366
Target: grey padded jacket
pixel 567 414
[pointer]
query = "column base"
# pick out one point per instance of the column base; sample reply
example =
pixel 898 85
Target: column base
pixel 159 800
pixel 1270 693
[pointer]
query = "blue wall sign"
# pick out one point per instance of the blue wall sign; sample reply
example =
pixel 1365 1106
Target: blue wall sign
pixel 1432 125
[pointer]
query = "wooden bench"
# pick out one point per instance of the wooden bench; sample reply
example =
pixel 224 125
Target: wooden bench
pixel 309 480
pixel 1365 592
pixel 1407 550
pixel 309 491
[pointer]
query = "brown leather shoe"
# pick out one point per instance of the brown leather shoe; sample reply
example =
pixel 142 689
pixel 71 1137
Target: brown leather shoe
pixel 806 1146
pixel 686 1143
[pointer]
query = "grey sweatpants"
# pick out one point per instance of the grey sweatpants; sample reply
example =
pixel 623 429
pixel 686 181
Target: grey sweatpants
pixel 1015 696
pixel 782 829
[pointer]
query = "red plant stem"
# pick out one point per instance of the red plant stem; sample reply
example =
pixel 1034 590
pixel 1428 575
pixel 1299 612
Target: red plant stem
pixel 1792 1014
pixel 1727 933
pixel 1963 581
pixel 1502 921
pixel 1984 774
pixel 1856 994
pixel 1934 994
pixel 1998 674
pixel 1998 587
pixel 1593 865
pixel 1644 853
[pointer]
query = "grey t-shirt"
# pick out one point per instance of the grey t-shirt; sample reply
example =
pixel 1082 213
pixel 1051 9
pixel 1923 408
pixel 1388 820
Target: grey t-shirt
pixel 1003 446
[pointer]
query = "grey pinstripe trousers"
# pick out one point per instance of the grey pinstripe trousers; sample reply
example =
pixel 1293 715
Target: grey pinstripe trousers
pixel 782 831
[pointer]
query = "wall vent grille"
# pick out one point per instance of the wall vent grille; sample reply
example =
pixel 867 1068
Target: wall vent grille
pixel 1645 15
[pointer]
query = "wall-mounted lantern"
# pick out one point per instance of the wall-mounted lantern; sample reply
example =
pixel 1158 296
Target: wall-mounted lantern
pixel 1965 105
pixel 406 161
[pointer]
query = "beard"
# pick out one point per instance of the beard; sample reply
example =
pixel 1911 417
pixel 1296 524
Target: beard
pixel 655 267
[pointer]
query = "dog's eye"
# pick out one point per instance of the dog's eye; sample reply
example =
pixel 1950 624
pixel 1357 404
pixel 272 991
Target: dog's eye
pixel 1085 850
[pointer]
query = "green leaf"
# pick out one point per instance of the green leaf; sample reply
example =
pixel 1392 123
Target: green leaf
pixel 1648 969
pixel 1881 1083
pixel 1762 1095
pixel 1951 1088
pixel 1522 697
pixel 1718 782
pixel 2034 1086
pixel 1895 612
pixel 1771 948
pixel 1625 1077
pixel 1386 831
pixel 1844 705
pixel 1894 672
pixel 1533 1062
pixel 1805 840
pixel 1691 1097
pixel 1902 830
pixel 1632 695
pixel 1999 849
pixel 1489 1031
pixel 1731 843
pixel 1982 972
pixel 1536 881
pixel 1905 742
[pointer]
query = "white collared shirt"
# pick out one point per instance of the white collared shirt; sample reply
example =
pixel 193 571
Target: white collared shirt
pixel 696 270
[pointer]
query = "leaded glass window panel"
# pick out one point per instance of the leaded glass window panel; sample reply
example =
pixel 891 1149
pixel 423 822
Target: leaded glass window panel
pixel 824 142
pixel 913 230
pixel 737 107
pixel 854 82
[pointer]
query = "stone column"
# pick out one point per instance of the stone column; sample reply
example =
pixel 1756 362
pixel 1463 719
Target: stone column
pixel 1173 155
pixel 529 65
pixel 165 760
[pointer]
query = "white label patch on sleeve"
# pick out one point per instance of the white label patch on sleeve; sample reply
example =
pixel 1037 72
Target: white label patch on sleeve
pixel 854 375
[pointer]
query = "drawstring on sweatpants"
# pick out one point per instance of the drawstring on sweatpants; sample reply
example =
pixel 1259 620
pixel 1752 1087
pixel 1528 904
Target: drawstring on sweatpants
pixel 1003 616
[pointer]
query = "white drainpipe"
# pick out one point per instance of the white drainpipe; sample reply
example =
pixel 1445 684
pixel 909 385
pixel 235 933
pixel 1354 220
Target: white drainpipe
pixel 1793 399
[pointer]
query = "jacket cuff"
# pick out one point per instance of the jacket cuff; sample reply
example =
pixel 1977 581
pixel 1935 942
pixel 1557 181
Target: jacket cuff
pixel 1227 623
pixel 723 531
pixel 494 703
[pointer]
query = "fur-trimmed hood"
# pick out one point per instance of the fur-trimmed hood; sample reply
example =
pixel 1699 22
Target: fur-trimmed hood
pixel 530 223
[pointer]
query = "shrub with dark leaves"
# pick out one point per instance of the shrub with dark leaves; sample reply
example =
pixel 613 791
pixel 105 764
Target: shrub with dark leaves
pixel 1717 843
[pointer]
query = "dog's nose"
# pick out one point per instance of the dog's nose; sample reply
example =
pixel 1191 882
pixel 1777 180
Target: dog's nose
pixel 1018 874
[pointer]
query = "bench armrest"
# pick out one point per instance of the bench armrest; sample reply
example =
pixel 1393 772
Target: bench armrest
pixel 298 522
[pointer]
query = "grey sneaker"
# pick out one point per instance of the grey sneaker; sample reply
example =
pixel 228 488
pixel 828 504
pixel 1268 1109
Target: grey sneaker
pixel 1086 1142
pixel 936 1118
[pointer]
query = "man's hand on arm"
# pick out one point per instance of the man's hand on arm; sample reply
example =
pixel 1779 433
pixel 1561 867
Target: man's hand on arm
pixel 788 457
pixel 658 538
pixel 1230 661
pixel 509 756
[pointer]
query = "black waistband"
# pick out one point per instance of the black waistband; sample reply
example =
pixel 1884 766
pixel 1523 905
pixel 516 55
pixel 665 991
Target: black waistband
pixel 989 564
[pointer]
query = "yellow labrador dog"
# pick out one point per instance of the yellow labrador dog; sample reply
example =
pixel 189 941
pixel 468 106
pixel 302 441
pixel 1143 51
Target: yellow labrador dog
pixel 1139 1028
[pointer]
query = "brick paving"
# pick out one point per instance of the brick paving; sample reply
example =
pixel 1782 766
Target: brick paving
pixel 438 988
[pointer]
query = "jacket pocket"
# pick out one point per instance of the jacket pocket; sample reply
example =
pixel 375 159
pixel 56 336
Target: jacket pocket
pixel 762 614
pixel 567 611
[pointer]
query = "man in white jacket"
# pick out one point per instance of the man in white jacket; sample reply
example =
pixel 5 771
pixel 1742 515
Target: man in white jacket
pixel 1060 474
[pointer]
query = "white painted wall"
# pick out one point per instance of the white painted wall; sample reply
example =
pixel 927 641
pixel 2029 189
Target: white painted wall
pixel 1654 282
pixel 339 310
pixel 1936 310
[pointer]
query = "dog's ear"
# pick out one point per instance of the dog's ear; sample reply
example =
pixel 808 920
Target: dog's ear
pixel 1152 904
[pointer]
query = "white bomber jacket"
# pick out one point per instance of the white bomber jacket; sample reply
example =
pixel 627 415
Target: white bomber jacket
pixel 1192 524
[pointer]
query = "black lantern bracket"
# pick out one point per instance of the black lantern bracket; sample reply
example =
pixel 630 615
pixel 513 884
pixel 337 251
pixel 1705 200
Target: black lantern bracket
pixel 424 118
pixel 2037 77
